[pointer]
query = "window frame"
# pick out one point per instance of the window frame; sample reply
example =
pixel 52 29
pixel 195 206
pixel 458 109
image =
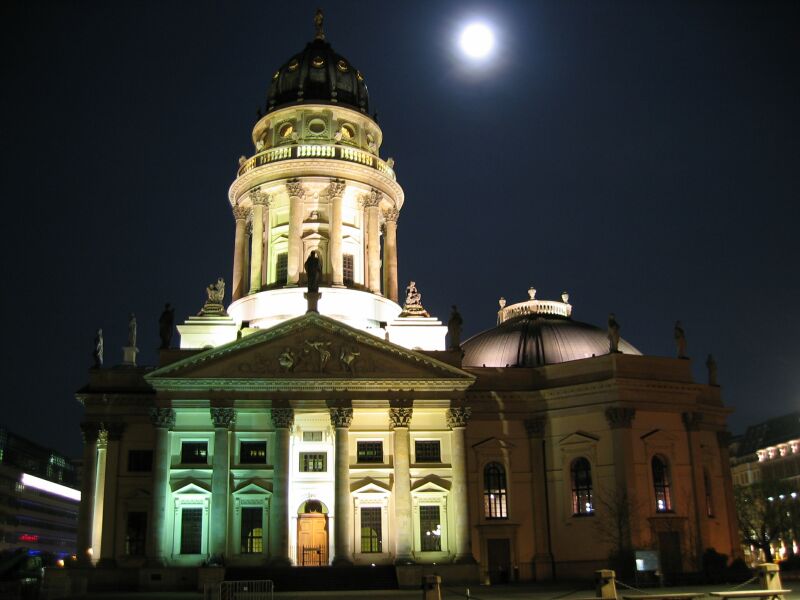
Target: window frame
pixel 191 509
pixel 582 490
pixel 426 536
pixel 185 443
pixel 372 543
pixel 242 460
pixel 306 457
pixel 495 491
pixel 662 485
pixel 433 459
pixel 248 542
pixel 366 457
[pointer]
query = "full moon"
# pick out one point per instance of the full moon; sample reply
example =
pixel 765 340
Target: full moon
pixel 477 40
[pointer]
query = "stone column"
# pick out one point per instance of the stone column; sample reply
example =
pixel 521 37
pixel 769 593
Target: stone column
pixel 399 420
pixel 693 422
pixel 282 420
pixel 295 258
pixel 457 421
pixel 342 527
pixel 163 421
pixel 390 254
pixel 620 421
pixel 257 240
pixel 90 432
pixel 542 559
pixel 222 419
pixel 723 441
pixel 110 508
pixel 265 257
pixel 237 289
pixel 371 203
pixel 99 495
pixel 335 193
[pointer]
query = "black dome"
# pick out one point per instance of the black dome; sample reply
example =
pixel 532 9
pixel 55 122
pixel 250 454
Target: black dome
pixel 318 75
pixel 536 340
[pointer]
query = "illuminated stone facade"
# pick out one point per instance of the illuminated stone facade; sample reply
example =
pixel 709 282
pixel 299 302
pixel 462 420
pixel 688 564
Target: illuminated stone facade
pixel 274 435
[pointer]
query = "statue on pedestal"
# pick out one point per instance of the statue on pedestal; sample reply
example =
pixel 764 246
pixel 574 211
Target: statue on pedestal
pixel 215 293
pixel 313 271
pixel 680 340
pixel 166 324
pixel 413 305
pixel 98 349
pixel 613 334
pixel 454 329
pixel 711 365
pixel 132 331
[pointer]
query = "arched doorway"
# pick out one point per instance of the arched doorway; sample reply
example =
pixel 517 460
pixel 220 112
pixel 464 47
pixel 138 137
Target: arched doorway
pixel 312 534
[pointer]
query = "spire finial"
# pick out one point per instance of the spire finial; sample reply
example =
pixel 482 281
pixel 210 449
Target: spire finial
pixel 318 18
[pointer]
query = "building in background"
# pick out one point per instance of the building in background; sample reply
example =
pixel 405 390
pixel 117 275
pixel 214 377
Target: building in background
pixel 39 498
pixel 333 426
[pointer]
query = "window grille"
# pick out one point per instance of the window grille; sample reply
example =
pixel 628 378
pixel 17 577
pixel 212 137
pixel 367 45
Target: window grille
pixel 661 485
pixel 430 529
pixel 191 530
pixel 428 451
pixel 194 453
pixel 495 501
pixel 348 269
pixel 281 268
pixel 371 530
pixel 312 436
pixel 251 453
pixel 252 530
pixel 313 462
pixel 369 452
pixel 582 503
pixel 135 534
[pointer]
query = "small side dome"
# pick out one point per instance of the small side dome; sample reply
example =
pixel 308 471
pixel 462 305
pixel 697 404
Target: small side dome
pixel 537 333
pixel 318 75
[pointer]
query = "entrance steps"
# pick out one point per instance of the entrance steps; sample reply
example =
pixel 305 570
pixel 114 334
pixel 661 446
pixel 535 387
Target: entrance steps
pixel 290 579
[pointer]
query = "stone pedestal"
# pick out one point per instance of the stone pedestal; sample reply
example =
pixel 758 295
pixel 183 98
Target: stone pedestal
pixel 426 333
pixel 313 300
pixel 206 331
pixel 129 355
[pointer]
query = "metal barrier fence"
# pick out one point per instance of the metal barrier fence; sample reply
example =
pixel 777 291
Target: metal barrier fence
pixel 262 589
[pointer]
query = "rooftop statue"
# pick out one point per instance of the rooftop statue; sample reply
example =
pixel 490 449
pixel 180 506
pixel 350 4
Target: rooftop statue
pixel 711 365
pixel 215 296
pixel 98 349
pixel 454 328
pixel 613 334
pixel 313 271
pixel 166 323
pixel 680 340
pixel 413 305
pixel 132 331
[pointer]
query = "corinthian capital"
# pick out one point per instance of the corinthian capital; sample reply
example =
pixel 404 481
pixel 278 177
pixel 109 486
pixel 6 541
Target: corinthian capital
pixel 336 188
pixel 391 215
pixel 282 418
pixel 341 417
pixel 458 417
pixel 295 188
pixel 223 417
pixel 620 417
pixel 399 417
pixel 240 213
pixel 90 432
pixel 371 199
pixel 258 197
pixel 162 417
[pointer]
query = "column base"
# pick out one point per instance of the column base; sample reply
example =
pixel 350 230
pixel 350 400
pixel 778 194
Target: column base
pixel 342 561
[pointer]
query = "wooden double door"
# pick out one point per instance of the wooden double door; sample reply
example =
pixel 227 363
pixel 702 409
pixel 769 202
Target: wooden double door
pixel 312 540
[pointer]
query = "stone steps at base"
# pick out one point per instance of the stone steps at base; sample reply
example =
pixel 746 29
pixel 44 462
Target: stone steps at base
pixel 291 579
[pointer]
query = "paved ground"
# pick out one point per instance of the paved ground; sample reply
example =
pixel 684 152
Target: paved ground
pixel 512 592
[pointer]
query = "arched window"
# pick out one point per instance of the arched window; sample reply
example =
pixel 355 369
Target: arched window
pixel 494 492
pixel 582 503
pixel 709 498
pixel 661 485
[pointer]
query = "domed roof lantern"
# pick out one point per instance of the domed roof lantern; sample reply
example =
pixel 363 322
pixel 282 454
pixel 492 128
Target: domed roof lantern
pixel 318 75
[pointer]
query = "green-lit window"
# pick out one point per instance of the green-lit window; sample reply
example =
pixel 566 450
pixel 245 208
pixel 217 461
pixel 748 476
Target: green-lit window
pixel 253 453
pixel 281 268
pixel 430 529
pixel 369 452
pixel 252 530
pixel 194 453
pixel 371 530
pixel 313 462
pixel 191 530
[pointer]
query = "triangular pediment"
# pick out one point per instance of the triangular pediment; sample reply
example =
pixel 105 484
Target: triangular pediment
pixel 657 436
pixel 431 483
pixel 309 352
pixel 190 486
pixel 493 444
pixel 368 485
pixel 578 437
pixel 254 486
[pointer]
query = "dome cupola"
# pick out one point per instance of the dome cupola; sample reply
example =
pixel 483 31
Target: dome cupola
pixel 318 75
pixel 535 333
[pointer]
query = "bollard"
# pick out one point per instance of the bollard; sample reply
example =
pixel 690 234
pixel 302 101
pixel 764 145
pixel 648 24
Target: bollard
pixel 769 576
pixel 605 584
pixel 431 587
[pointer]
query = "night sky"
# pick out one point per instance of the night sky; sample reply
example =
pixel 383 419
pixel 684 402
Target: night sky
pixel 643 156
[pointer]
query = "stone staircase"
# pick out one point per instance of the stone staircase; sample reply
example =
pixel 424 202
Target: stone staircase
pixel 288 579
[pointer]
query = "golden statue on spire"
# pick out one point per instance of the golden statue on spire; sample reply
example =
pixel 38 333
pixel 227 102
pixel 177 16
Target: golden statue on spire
pixel 318 18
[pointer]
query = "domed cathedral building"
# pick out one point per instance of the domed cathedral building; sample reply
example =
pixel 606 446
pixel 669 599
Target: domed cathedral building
pixel 312 420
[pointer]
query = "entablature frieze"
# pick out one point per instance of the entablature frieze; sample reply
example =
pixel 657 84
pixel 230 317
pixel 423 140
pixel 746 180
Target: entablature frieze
pixel 331 169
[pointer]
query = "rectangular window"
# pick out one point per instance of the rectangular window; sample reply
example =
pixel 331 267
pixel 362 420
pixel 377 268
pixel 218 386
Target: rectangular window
pixel 191 530
pixel 281 268
pixel 369 452
pixel 252 530
pixel 135 533
pixel 313 462
pixel 430 529
pixel 140 461
pixel 348 269
pixel 428 451
pixel 371 531
pixel 253 453
pixel 312 436
pixel 194 453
